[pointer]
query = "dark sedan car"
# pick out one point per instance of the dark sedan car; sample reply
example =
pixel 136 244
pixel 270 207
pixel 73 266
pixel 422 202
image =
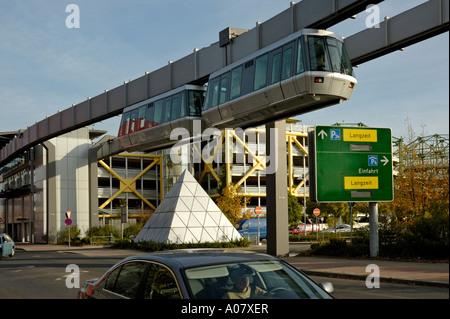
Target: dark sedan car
pixel 203 274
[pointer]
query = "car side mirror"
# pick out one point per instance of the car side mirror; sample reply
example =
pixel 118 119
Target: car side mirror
pixel 327 286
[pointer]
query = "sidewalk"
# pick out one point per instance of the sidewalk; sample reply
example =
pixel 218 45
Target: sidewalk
pixel 404 272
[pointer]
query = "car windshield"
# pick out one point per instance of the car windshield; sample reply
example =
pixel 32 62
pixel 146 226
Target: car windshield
pixel 251 280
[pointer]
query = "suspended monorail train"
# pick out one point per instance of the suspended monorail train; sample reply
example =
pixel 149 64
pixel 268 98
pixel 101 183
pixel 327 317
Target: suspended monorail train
pixel 305 71
pixel 148 124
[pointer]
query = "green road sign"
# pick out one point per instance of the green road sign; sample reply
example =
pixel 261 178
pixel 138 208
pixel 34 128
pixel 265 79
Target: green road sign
pixel 350 164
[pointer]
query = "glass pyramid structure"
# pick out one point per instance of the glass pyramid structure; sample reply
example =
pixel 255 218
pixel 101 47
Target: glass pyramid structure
pixel 188 215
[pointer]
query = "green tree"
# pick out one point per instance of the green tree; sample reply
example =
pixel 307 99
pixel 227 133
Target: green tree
pixel 294 210
pixel 232 204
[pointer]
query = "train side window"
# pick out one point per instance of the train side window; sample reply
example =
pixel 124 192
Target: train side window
pixel 260 72
pixel 300 63
pixel 133 121
pixel 215 92
pixel 317 54
pixel 275 66
pixel 248 75
pixel 167 109
pixel 150 116
pixel 223 89
pixel 286 69
pixel 158 112
pixel 235 86
pixel 176 107
pixel 141 117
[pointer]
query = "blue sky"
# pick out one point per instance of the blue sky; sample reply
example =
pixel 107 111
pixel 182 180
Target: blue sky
pixel 46 67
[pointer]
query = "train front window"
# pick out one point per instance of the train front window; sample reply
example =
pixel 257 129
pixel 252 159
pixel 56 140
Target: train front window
pixel 195 102
pixel 215 92
pixel 124 125
pixel 339 58
pixel 318 57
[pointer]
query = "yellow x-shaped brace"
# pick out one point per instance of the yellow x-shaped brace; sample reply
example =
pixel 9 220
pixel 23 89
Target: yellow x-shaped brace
pixel 208 161
pixel 258 161
pixel 128 185
pixel 293 139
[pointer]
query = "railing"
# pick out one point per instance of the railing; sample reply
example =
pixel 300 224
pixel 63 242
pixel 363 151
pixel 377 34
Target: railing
pixel 102 239
pixel 253 238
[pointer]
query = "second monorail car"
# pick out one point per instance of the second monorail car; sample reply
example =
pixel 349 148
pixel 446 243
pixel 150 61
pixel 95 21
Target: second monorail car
pixel 148 124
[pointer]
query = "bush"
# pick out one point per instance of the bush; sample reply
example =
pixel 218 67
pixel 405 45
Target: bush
pixel 154 246
pixel 63 235
pixel 333 247
pixel 132 230
pixel 423 238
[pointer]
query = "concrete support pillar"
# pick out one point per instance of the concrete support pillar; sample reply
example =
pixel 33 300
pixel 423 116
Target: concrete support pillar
pixel 276 188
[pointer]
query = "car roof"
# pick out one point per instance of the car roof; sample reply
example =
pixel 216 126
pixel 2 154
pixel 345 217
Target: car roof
pixel 187 258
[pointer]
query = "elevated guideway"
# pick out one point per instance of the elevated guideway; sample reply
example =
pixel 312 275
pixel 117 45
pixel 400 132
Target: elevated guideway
pixel 193 68
pixel 412 26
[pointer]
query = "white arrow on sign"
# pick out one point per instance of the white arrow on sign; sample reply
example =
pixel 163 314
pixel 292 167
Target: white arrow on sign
pixel 322 134
pixel 384 160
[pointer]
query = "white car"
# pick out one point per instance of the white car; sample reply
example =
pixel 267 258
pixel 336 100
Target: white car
pixel 338 229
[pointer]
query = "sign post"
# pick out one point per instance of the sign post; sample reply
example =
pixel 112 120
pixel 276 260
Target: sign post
pixel 68 222
pixel 258 211
pixel 316 213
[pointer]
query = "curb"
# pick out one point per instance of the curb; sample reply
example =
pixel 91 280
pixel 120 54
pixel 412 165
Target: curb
pixel 382 279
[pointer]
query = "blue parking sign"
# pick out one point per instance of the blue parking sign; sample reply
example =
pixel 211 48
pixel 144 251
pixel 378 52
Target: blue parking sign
pixel 335 134
pixel 373 160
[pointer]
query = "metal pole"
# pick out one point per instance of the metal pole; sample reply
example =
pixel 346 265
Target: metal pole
pixel 317 229
pixel 350 210
pixel 69 236
pixel 373 226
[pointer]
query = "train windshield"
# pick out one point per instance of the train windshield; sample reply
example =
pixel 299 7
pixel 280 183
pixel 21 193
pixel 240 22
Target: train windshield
pixel 328 54
pixel 195 102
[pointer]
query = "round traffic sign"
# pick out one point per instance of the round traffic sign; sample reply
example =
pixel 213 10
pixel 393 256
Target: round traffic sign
pixel 68 221
pixel 316 212
pixel 258 210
